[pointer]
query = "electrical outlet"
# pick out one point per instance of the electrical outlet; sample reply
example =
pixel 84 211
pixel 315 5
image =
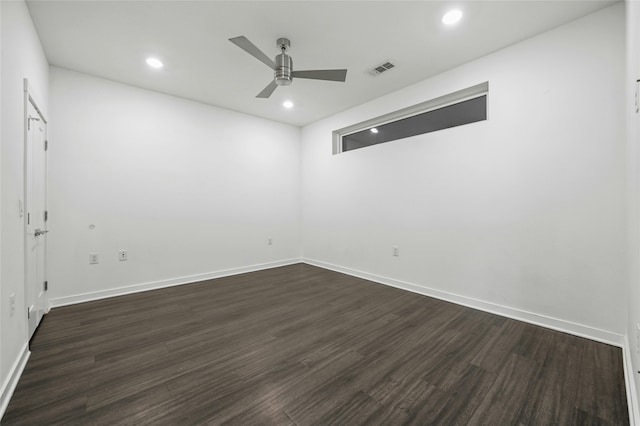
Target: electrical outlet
pixel 12 304
pixel 269 241
pixel 396 251
pixel 93 258
pixel 122 255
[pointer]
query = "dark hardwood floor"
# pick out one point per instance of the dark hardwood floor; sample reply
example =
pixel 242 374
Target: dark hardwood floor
pixel 300 345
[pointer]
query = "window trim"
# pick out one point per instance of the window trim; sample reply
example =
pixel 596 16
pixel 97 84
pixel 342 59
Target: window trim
pixel 472 92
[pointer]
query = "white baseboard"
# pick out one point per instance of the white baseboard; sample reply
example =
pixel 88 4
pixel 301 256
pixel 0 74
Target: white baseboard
pixel 580 330
pixel 14 376
pixel 517 314
pixel 153 285
pixel 569 327
pixel 630 385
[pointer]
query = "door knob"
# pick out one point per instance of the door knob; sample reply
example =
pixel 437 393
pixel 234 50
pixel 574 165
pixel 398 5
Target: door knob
pixel 39 232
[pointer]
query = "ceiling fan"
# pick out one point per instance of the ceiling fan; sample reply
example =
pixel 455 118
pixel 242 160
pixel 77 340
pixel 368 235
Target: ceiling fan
pixel 283 66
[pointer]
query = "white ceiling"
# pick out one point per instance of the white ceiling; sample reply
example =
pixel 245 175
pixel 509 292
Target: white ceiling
pixel 111 39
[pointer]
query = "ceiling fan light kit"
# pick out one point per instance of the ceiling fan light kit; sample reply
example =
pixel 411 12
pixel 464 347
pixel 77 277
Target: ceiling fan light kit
pixel 283 66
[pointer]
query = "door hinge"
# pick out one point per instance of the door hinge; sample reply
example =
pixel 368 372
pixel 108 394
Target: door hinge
pixel 46 285
pixel 28 312
pixel 46 215
pixel 46 144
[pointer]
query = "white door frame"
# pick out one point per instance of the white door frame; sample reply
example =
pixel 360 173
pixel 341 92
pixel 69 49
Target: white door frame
pixel 30 98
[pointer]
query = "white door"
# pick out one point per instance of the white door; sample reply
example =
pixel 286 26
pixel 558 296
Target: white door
pixel 36 225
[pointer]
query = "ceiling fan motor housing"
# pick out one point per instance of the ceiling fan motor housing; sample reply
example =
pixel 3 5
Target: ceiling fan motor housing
pixel 284 64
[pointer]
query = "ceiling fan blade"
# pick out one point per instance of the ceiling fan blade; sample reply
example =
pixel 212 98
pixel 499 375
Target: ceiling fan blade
pixel 331 75
pixel 243 43
pixel 267 91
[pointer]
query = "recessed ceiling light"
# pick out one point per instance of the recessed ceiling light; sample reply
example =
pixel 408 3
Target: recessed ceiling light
pixel 452 17
pixel 374 130
pixel 154 63
pixel 287 104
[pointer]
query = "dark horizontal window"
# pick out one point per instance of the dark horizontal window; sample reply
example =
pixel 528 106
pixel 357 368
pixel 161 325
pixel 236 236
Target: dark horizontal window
pixel 457 114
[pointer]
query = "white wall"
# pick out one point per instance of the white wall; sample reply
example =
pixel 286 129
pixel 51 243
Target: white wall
pixel 633 188
pixel 191 191
pixel 22 57
pixel 523 214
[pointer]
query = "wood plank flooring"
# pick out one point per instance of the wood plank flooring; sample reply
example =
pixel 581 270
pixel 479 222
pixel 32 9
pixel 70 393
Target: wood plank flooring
pixel 301 345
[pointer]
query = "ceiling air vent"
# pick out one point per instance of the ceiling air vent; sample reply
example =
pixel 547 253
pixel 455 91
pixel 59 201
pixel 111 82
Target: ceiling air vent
pixel 375 71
